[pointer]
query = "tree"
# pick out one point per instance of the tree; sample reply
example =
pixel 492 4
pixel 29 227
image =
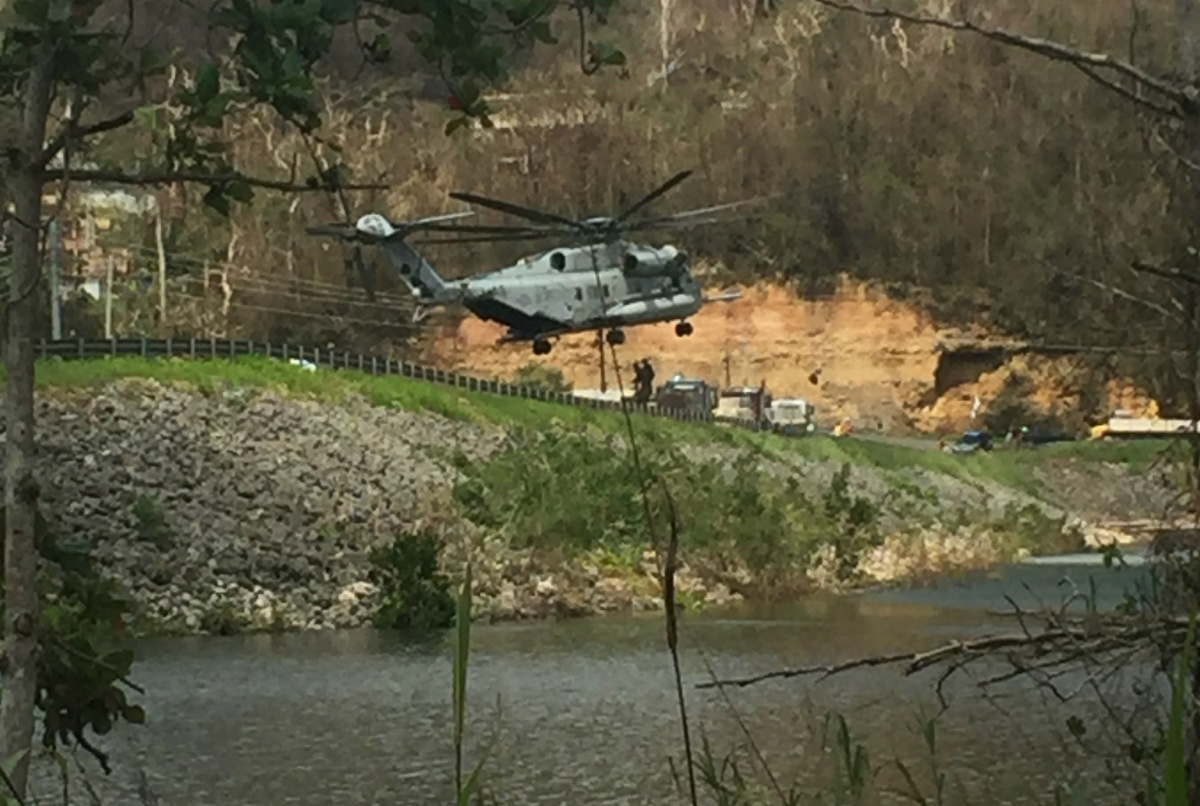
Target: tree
pixel 77 60
pixel 1169 99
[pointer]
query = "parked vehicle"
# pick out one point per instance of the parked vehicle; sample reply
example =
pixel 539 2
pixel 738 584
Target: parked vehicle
pixel 970 442
pixel 792 416
pixel 686 394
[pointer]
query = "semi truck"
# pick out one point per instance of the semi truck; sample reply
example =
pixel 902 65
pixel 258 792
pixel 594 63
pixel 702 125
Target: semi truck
pixel 686 394
pixel 754 404
pixel 1124 424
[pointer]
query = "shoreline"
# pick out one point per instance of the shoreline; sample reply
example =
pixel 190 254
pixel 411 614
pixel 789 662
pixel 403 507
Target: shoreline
pixel 580 591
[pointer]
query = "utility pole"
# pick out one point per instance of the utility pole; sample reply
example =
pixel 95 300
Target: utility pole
pixel 55 280
pixel 664 38
pixel 603 376
pixel 162 266
pixel 108 299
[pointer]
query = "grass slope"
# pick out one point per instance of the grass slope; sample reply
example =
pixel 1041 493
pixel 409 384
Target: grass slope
pixel 1007 466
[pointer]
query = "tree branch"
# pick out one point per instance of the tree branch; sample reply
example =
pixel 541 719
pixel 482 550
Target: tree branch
pixel 73 131
pixel 1059 644
pixel 1184 99
pixel 199 178
pixel 1166 273
pixel 1128 95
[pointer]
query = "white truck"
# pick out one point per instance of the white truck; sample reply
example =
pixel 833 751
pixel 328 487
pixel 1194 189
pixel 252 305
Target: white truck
pixel 791 415
pixel 786 415
pixel 1123 423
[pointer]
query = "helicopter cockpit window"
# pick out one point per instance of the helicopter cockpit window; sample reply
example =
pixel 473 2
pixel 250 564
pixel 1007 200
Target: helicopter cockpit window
pixel 558 261
pixel 579 294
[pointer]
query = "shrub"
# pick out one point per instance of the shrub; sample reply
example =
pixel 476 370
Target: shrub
pixel 86 651
pixel 568 493
pixel 539 376
pixel 414 593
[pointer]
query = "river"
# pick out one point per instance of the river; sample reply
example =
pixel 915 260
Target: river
pixel 587 713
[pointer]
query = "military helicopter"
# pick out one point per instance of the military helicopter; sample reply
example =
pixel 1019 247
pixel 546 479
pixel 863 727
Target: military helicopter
pixel 606 284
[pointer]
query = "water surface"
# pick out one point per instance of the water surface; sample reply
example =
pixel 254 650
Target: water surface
pixel 585 710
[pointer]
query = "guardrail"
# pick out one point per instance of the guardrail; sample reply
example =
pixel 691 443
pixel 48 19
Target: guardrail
pixel 217 349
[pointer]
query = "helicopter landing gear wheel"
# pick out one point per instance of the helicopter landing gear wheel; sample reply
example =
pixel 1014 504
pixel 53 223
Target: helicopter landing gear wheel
pixel 615 337
pixel 541 346
pixel 683 329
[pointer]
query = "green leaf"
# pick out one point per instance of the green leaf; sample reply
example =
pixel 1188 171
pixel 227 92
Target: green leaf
pixel 454 124
pixel 216 200
pixel 604 53
pixel 542 33
pixel 208 83
pixel 121 661
pixel 58 10
pixel 134 714
pixel 147 116
pixel 240 191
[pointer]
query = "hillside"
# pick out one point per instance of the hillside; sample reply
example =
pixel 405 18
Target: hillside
pixel 981 188
pixel 1011 192
pixel 249 494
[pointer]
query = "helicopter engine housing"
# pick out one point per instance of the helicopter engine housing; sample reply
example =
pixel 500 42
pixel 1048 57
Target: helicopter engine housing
pixel 646 261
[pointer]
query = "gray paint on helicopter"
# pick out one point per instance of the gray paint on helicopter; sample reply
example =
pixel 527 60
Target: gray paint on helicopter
pixel 608 283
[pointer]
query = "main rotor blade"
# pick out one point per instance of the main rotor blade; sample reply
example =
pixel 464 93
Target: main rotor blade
pixel 434 219
pixel 654 194
pixel 528 213
pixel 333 230
pixel 489 238
pixel 689 214
pixel 480 229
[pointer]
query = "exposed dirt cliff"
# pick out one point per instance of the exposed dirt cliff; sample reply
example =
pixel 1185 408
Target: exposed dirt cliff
pixel 855 354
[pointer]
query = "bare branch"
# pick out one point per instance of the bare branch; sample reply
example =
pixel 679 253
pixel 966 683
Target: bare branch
pixel 1129 95
pixel 1190 164
pixel 199 178
pixel 1060 644
pixel 73 131
pixel 1166 273
pixel 1182 97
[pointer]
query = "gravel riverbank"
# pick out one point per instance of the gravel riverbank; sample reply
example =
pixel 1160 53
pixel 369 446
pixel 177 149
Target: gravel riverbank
pixel 248 509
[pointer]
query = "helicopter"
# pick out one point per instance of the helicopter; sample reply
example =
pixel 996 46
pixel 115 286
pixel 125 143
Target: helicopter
pixel 607 283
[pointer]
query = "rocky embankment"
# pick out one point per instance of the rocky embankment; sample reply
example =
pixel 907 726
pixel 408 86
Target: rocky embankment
pixel 253 510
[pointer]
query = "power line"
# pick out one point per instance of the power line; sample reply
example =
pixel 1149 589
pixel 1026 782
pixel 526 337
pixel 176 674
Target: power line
pixel 241 270
pixel 405 326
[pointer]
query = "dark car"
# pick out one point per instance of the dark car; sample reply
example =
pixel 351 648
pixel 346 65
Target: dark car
pixel 970 442
pixel 1042 436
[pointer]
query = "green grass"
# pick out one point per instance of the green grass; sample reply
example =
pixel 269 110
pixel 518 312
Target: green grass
pixel 1006 466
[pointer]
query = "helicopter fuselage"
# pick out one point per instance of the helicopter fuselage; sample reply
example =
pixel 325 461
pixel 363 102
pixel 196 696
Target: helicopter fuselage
pixel 585 288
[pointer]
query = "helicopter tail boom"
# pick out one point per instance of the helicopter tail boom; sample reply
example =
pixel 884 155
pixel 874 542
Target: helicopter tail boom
pixel 422 279
pixel 425 283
